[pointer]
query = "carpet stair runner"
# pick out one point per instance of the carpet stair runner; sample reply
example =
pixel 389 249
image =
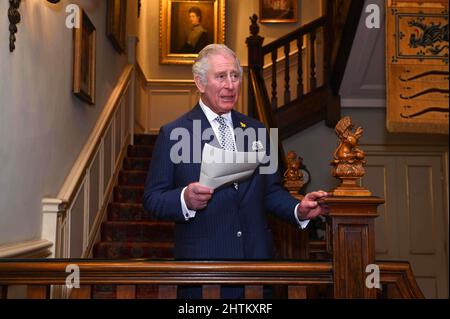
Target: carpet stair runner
pixel 130 231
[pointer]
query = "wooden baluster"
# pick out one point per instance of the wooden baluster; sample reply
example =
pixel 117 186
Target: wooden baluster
pixel 84 292
pixel 312 42
pixel 254 291
pixel 167 291
pixel 300 67
pixel 126 292
pixel 211 291
pixel 287 92
pixel 3 292
pixel 38 292
pixel 274 79
pixel 297 292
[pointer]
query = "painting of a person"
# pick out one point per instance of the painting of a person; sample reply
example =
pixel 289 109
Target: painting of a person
pixel 197 38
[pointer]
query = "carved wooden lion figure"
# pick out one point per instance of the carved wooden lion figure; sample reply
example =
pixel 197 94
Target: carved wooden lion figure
pixel 348 150
pixel 293 173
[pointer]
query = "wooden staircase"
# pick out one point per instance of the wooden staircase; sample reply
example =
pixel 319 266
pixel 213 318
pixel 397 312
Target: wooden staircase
pixel 320 50
pixel 130 231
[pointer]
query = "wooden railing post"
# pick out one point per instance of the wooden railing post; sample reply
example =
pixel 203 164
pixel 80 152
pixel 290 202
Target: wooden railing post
pixel 255 57
pixel 3 292
pixel 352 241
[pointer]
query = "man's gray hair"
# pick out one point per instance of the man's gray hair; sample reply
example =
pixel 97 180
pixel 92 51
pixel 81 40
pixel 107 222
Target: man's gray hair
pixel 201 64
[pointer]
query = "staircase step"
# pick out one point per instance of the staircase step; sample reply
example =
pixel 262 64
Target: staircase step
pixel 115 250
pixel 140 151
pixel 136 163
pixel 130 178
pixel 149 231
pixel 128 212
pixel 145 139
pixel 128 194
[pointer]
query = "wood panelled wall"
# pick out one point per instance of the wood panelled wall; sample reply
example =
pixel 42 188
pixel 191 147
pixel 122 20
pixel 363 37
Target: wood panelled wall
pixel 159 102
pixel 413 223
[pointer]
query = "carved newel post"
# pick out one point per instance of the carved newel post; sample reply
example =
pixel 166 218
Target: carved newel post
pixel 255 57
pixel 351 233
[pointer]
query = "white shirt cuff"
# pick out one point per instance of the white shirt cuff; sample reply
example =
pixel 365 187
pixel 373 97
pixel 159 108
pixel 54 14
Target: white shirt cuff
pixel 301 223
pixel 187 213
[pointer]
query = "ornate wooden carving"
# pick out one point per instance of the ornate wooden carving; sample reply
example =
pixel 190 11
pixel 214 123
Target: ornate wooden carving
pixel 14 19
pixel 348 160
pixel 293 177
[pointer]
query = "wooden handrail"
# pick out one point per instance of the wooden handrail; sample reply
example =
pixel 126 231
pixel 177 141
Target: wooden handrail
pixel 399 279
pixel 262 106
pixel 53 272
pixel 291 36
pixel 261 100
pixel 317 72
pixel 76 175
pixel 116 116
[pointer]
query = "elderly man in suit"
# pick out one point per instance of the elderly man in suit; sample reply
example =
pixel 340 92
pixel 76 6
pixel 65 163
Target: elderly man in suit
pixel 230 221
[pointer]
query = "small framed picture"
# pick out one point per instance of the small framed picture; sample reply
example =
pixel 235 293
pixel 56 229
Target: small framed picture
pixel 278 11
pixel 188 26
pixel 116 24
pixel 84 59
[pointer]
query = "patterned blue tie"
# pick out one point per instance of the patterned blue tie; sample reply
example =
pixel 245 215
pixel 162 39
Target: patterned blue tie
pixel 226 137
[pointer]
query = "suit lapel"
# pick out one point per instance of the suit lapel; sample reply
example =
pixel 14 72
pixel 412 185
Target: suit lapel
pixel 238 123
pixel 197 115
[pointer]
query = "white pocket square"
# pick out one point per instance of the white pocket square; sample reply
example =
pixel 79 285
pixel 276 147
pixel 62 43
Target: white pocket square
pixel 257 146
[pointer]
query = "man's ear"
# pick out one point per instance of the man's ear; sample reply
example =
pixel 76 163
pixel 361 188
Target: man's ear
pixel 200 86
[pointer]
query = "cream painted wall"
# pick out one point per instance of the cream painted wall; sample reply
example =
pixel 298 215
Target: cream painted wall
pixel 236 31
pixel 43 126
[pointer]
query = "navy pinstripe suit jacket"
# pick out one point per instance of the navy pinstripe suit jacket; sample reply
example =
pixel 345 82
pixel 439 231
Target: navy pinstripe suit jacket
pixel 213 232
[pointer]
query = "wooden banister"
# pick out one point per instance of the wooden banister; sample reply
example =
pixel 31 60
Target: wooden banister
pixel 53 272
pixel 398 280
pixel 326 106
pixel 294 35
pixel 328 42
pixel 351 242
pixel 40 275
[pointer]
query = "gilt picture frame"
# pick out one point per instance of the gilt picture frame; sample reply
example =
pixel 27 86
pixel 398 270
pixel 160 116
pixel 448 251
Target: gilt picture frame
pixel 278 11
pixel 187 26
pixel 116 24
pixel 84 59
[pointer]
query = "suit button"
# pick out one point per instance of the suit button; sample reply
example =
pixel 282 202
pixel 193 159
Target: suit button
pixel 239 234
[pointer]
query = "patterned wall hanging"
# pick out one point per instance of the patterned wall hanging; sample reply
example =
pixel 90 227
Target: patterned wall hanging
pixel 417 66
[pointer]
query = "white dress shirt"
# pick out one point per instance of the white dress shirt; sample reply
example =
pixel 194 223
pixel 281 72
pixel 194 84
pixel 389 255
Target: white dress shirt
pixel 211 116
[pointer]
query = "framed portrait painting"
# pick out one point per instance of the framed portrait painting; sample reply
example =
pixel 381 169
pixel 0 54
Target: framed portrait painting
pixel 187 26
pixel 116 24
pixel 278 11
pixel 84 39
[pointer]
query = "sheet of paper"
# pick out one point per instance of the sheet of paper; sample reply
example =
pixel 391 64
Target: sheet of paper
pixel 220 167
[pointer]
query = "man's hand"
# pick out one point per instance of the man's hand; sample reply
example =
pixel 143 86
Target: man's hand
pixel 312 205
pixel 196 196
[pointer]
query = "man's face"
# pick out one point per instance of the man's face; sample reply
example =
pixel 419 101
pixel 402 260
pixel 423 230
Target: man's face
pixel 195 19
pixel 221 91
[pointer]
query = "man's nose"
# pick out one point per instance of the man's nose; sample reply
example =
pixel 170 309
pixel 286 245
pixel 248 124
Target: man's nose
pixel 228 82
